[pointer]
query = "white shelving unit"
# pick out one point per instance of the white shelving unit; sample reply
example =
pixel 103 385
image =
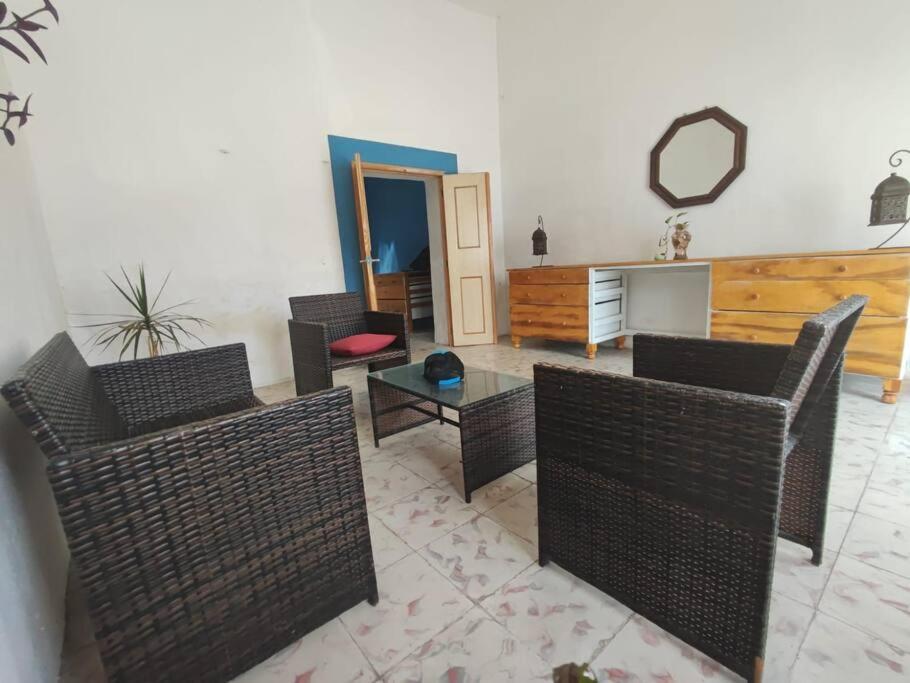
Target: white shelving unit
pixel 606 304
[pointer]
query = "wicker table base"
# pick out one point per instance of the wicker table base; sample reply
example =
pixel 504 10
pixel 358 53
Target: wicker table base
pixel 497 433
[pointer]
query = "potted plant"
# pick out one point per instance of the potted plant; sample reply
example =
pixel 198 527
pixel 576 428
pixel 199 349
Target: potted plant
pixel 146 325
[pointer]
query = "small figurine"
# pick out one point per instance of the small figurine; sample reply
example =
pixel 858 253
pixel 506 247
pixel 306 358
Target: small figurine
pixel 680 239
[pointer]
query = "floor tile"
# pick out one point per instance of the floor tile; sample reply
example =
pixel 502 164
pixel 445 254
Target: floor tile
pixel 796 577
pixel 888 494
pixel 788 623
pixel 836 524
pixel 834 652
pixel 480 556
pixel 879 543
pixel 870 599
pixel 518 514
pixel 426 515
pixel 326 655
pixel 386 481
pixel 475 648
pixel 846 489
pixel 528 471
pixel 489 495
pixel 643 651
pixel 430 461
pixel 558 616
pixel 387 547
pixel 415 604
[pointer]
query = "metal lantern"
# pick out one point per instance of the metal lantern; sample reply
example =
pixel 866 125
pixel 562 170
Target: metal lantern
pixel 889 201
pixel 539 239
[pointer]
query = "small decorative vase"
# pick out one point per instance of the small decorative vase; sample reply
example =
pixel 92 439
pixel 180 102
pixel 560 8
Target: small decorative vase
pixel 681 239
pixel 574 673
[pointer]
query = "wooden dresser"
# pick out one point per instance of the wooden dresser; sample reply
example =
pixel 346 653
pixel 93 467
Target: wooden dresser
pixel 409 293
pixel 754 298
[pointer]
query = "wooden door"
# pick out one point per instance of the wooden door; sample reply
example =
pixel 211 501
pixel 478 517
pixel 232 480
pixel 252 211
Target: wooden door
pixel 469 258
pixel 363 231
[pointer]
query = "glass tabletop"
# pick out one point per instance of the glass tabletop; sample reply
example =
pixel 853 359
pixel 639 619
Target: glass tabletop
pixel 476 386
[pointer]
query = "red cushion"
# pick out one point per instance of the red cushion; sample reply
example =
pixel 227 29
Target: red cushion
pixel 361 344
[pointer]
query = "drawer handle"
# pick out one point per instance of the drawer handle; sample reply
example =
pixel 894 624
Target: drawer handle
pixel 842 297
pixel 563 276
pixel 755 297
pixel 529 322
pixel 756 270
pixel 753 337
pixel 563 295
pixel 842 269
pixel 564 323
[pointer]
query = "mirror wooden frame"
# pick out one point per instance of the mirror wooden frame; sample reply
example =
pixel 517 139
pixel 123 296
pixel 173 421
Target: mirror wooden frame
pixel 739 131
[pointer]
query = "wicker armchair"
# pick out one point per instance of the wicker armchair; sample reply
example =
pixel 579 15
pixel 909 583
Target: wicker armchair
pixel 323 318
pixel 668 489
pixel 208 546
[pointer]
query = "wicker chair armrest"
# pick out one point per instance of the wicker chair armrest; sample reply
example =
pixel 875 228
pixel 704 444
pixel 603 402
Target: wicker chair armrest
pixel 178 388
pixel 201 519
pixel 745 367
pixel 382 322
pixel 712 450
pixel 309 342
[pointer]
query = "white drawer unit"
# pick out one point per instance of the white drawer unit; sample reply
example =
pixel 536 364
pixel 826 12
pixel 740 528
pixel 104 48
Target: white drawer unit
pixel 606 304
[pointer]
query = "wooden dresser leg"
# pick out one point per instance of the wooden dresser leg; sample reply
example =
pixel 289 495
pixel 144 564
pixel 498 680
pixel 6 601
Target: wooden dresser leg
pixel 891 389
pixel 516 341
pixel 591 351
pixel 620 342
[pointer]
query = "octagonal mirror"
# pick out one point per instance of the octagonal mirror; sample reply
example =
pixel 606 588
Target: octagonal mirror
pixel 698 157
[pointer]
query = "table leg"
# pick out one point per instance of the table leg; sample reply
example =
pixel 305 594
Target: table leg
pixel 497 436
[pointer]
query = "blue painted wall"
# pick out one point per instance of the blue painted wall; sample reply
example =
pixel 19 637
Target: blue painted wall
pixel 341 154
pixel 398 221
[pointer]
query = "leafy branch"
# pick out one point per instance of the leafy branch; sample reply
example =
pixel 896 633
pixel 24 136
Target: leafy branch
pixel 23 27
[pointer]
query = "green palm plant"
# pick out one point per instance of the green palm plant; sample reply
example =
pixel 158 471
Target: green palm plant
pixel 145 325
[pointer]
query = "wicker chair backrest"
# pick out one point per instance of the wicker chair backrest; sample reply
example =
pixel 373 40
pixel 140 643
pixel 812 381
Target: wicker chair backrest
pixel 813 358
pixel 342 313
pixel 60 400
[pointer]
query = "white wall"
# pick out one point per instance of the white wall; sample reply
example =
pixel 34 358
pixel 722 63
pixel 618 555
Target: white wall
pixel 192 137
pixel 588 87
pixel 33 555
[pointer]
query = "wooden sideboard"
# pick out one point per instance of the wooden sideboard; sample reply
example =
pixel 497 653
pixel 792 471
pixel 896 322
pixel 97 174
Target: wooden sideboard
pixel 753 298
pixel 408 293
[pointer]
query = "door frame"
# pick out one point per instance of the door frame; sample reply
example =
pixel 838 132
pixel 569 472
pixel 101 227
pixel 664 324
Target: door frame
pixel 363 224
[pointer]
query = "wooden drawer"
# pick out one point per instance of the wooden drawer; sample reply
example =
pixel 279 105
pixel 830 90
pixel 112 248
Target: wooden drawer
pixel 549 276
pixel 390 288
pixel 876 347
pixel 886 297
pixel 871 266
pixel 567 295
pixel 565 323
pixel 393 306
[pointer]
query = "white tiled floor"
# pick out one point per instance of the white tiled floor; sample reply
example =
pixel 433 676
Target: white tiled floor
pixel 463 599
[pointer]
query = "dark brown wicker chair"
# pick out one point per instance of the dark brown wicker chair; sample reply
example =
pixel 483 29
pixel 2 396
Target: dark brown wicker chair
pixel 320 319
pixel 208 546
pixel 664 489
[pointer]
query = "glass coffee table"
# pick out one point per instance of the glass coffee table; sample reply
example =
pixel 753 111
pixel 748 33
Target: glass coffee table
pixel 495 416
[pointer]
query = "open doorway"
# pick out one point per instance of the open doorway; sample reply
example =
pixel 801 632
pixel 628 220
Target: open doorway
pixel 398 220
pixel 451 287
